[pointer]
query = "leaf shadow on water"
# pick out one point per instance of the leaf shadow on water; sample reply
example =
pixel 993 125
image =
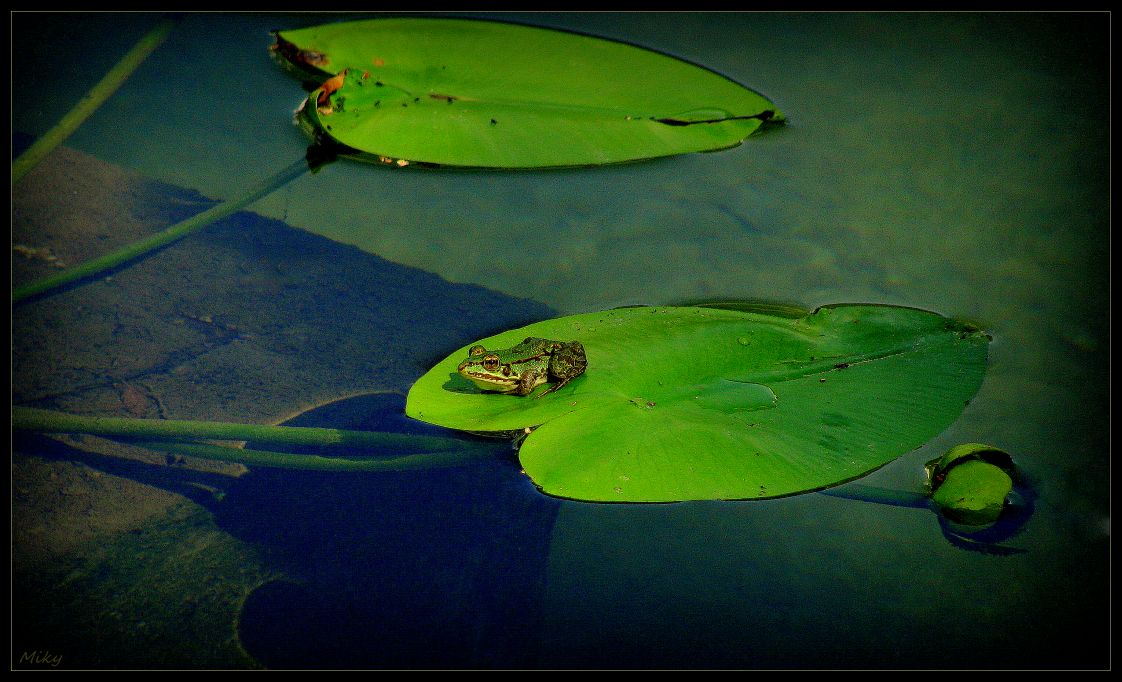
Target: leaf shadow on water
pixel 249 320
pixel 437 568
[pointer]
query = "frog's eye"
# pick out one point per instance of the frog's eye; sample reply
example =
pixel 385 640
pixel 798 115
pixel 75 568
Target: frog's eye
pixel 491 363
pixel 477 350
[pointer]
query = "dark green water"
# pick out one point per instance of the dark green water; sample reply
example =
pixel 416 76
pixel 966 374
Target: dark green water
pixel 952 162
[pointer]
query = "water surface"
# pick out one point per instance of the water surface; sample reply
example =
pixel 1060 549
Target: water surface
pixel 952 162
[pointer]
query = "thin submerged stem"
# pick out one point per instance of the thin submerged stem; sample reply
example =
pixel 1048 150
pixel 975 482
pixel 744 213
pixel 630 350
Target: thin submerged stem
pixel 92 100
pixel 167 236
pixel 48 421
pixel 285 460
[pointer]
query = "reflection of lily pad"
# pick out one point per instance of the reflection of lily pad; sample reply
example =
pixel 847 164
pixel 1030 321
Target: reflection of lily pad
pixel 459 92
pixel 700 403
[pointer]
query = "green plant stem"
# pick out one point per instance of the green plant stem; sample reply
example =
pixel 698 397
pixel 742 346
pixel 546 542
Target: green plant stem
pixel 171 234
pixel 47 421
pixel 93 99
pixel 284 460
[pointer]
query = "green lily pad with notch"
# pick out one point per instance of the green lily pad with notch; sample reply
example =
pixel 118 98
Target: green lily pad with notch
pixel 692 403
pixel 484 94
pixel 970 483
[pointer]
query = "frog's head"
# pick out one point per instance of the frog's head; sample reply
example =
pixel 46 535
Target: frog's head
pixel 488 370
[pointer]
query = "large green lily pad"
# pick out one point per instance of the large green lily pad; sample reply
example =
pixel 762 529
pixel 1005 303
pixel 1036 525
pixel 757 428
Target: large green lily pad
pixel 690 403
pixel 469 93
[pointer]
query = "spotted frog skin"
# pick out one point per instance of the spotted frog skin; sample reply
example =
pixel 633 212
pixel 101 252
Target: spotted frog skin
pixel 522 368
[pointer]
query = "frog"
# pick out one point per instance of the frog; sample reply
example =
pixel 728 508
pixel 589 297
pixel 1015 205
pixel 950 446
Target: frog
pixel 520 369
